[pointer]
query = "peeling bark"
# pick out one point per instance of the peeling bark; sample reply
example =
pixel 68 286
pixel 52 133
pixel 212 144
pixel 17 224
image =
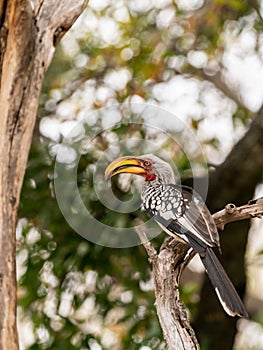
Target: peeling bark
pixel 29 32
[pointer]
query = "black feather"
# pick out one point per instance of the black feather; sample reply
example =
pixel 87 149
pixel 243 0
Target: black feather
pixel 226 292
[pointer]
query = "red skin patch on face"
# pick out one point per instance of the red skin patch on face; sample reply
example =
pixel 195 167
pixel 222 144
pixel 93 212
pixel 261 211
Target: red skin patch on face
pixel 150 177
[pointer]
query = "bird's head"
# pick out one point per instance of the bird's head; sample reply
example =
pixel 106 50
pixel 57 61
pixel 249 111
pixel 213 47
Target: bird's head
pixel 149 166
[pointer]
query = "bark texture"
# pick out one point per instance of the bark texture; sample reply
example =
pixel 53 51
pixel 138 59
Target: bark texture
pixel 232 213
pixel 29 32
pixel 167 266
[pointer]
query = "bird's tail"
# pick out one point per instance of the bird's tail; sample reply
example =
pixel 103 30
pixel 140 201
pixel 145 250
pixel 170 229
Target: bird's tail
pixel 224 288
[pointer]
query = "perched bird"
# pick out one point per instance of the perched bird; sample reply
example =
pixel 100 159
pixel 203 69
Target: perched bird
pixel 181 212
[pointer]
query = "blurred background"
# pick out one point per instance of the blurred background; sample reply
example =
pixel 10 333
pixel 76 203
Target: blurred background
pixel 201 61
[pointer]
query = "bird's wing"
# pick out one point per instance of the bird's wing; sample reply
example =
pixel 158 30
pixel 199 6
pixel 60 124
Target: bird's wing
pixel 193 222
pixel 198 215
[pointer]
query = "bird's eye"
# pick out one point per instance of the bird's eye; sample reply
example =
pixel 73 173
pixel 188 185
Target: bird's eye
pixel 146 163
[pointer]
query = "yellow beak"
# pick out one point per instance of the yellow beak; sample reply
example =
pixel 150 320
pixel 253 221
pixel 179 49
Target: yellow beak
pixel 131 165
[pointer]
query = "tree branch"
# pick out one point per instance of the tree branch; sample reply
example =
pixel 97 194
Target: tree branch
pixel 231 213
pixel 219 83
pixel 167 266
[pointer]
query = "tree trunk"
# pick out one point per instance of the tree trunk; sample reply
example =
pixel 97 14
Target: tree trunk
pixel 29 31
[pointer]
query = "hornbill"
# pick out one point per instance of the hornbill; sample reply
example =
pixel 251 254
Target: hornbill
pixel 181 212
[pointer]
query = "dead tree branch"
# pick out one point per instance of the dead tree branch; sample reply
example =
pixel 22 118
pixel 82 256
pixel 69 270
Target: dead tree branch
pixel 167 266
pixel 231 213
